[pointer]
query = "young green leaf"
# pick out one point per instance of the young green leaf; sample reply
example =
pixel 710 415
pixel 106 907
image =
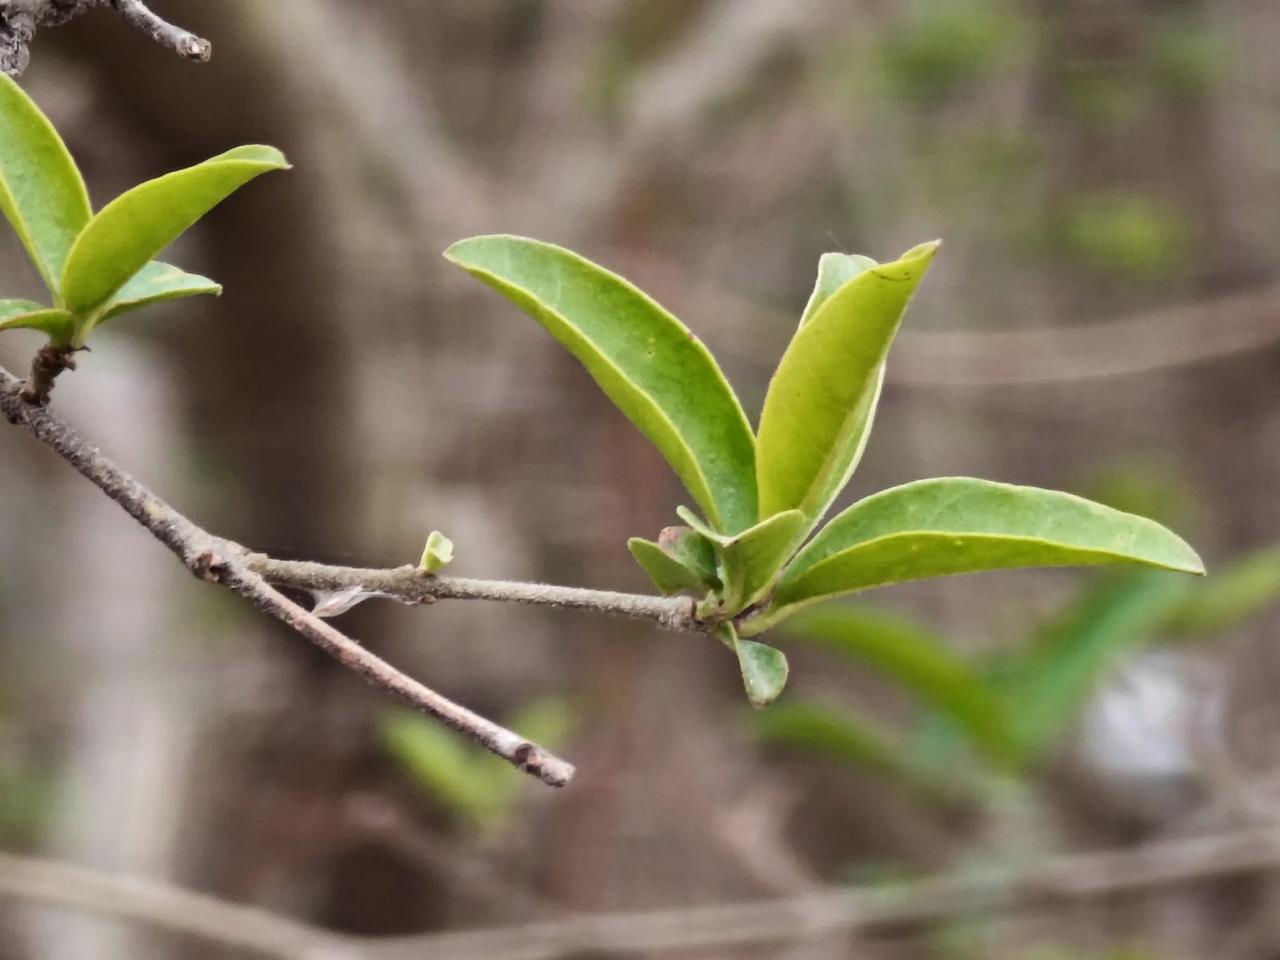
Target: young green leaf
pixel 157 283
pixel 752 559
pixel 438 552
pixel 131 230
pixel 920 663
pixel 25 315
pixel 646 361
pixel 764 668
pixel 41 192
pixel 834 271
pixel 668 574
pixel 949 525
pixel 681 560
pixel 822 398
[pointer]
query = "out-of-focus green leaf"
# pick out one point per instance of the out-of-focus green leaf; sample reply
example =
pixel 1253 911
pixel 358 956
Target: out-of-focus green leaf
pixel 645 360
pixel 830 734
pixel 440 763
pixel 131 230
pixel 437 554
pixel 752 559
pixel 473 784
pixel 1229 596
pixel 919 662
pixel 157 283
pixel 58 324
pixel 1046 686
pixel 821 400
pixel 41 192
pixel 834 271
pixel 949 525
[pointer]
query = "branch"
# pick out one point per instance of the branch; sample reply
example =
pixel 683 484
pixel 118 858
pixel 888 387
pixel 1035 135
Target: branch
pixel 410 584
pixel 20 18
pixel 216 560
pixel 182 42
pixel 865 908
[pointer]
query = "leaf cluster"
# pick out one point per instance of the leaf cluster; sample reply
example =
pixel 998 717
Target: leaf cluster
pixel 98 266
pixel 758 552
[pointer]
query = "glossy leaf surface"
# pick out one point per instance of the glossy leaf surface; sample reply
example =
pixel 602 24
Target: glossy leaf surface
pixel 41 192
pixel 821 400
pixel 950 525
pixel 131 230
pixel 157 283
pixel 646 361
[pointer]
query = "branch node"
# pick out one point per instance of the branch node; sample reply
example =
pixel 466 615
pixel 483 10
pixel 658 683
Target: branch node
pixel 48 364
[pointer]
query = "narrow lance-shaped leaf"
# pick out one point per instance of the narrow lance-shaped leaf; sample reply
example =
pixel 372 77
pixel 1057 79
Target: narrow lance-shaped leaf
pixel 41 192
pixel 751 559
pixel 920 662
pixel 646 361
pixel 821 400
pixel 157 283
pixel 949 525
pixel 131 230
pixel 834 271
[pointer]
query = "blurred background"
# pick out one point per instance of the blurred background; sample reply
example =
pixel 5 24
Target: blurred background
pixel 1103 319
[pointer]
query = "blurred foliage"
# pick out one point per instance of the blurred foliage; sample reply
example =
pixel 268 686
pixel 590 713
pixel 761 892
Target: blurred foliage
pixel 1006 709
pixel 932 51
pixel 1127 236
pixel 1186 53
pixel 477 788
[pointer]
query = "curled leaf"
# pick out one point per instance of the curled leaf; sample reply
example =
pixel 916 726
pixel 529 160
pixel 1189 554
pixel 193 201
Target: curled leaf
pixel 438 552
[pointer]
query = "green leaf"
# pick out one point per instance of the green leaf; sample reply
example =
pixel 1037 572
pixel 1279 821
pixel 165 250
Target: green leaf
pixel 16 308
pixel 764 668
pixel 834 271
pixel 920 663
pixel 949 525
pixel 1047 685
pixel 821 401
pixel 441 763
pixel 645 360
pixel 131 230
pixel 438 552
pixel 830 734
pixel 752 559
pixel 157 283
pixel 26 315
pixel 681 560
pixel 41 192
pixel 1229 596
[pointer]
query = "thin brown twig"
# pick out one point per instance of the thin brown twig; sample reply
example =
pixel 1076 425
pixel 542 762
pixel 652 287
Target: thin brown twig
pixel 864 908
pixel 182 42
pixel 217 560
pixel 19 20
